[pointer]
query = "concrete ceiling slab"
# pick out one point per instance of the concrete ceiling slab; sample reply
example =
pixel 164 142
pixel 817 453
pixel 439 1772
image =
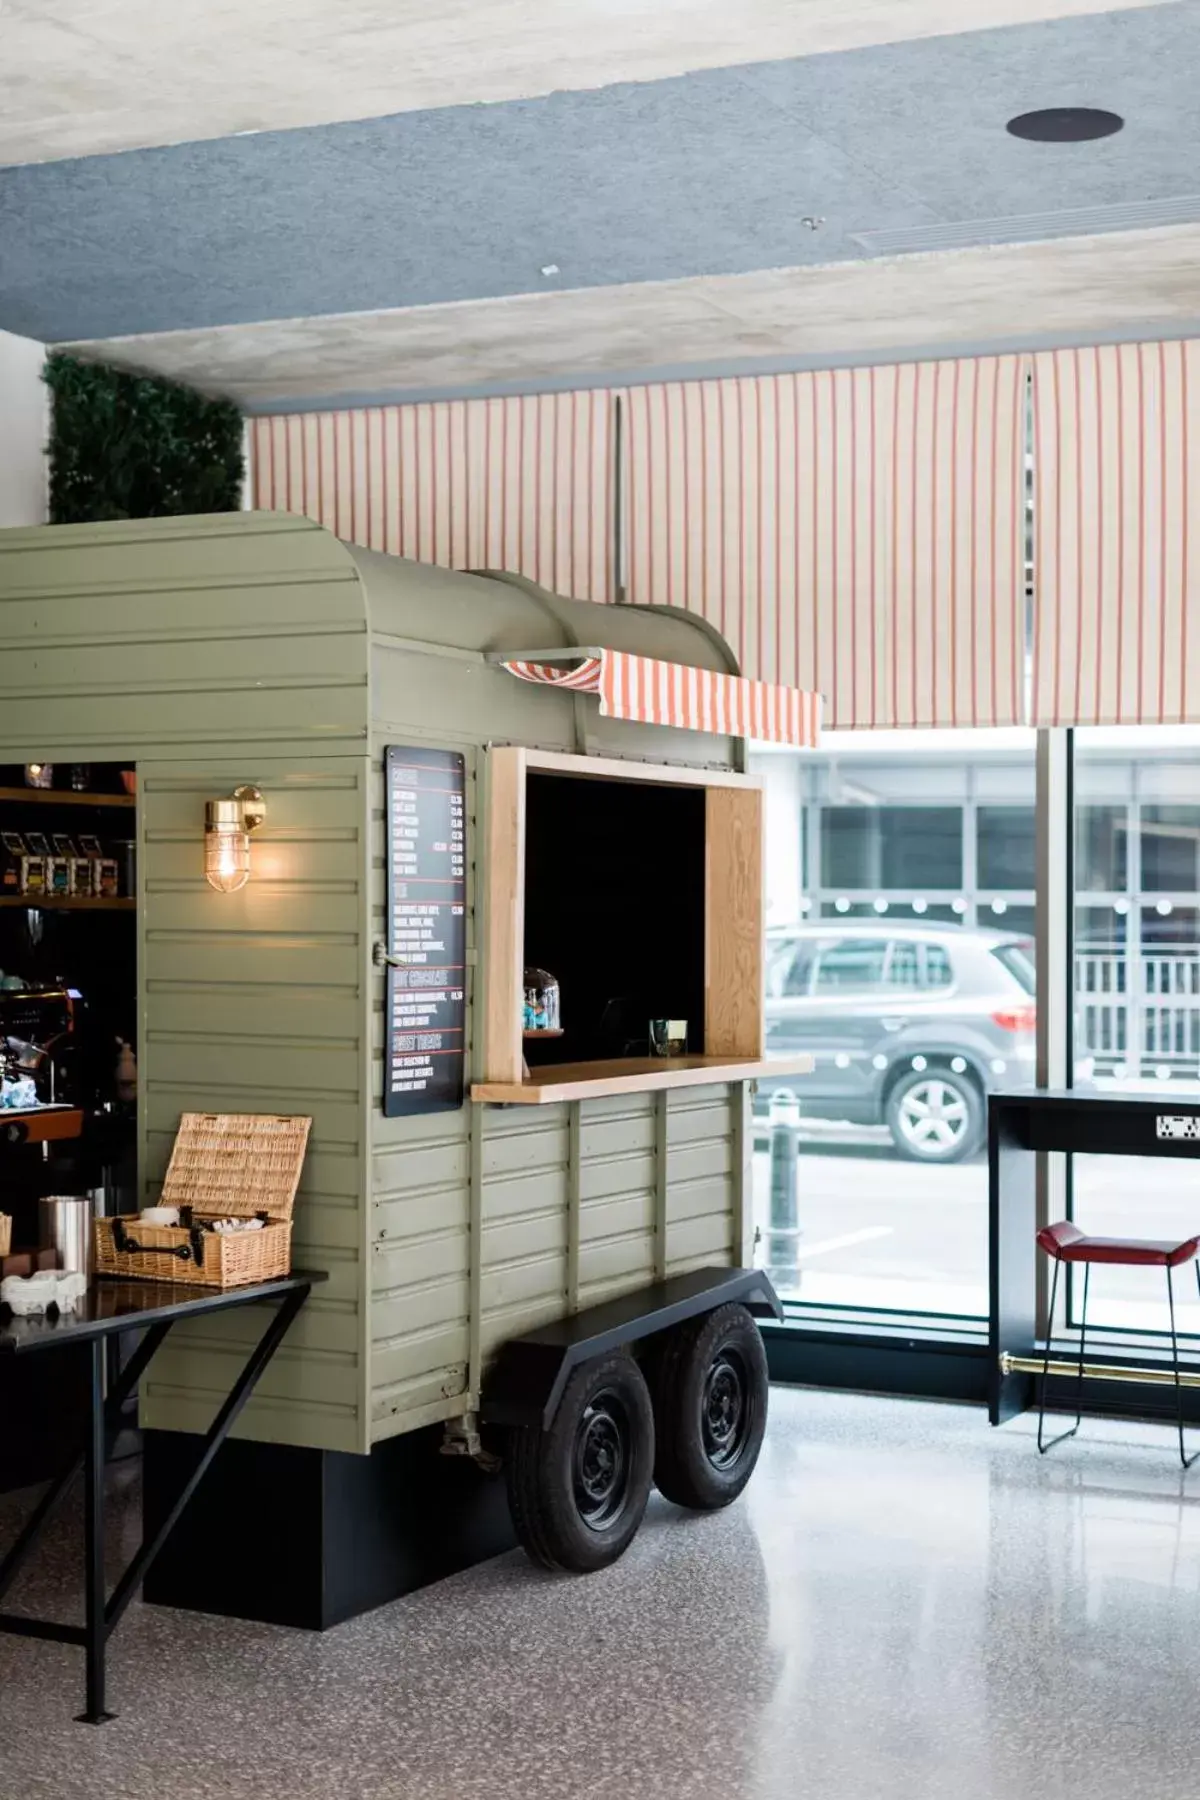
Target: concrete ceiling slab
pixel 1078 290
pixel 82 77
pixel 712 173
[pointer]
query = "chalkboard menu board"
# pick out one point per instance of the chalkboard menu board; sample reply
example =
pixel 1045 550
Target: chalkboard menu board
pixel 426 906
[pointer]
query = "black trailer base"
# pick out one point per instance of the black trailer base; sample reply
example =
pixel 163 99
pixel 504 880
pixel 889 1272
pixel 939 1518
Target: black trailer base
pixel 530 1372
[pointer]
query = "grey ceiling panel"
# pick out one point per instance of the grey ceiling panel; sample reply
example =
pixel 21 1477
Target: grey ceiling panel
pixel 706 174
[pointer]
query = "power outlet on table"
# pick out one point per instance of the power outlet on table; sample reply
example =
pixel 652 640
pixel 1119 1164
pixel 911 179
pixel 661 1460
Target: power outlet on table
pixel 1177 1125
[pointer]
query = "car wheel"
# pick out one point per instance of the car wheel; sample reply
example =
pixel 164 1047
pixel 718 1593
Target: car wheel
pixel 577 1491
pixel 935 1116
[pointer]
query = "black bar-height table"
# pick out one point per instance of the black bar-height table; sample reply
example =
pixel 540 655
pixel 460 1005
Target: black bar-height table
pixel 1074 1121
pixel 110 1308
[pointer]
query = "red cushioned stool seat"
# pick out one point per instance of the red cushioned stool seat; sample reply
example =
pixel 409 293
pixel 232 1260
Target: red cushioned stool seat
pixel 1066 1242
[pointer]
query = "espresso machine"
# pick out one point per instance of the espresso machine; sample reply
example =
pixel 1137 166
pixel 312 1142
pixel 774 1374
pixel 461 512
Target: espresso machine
pixel 38 1039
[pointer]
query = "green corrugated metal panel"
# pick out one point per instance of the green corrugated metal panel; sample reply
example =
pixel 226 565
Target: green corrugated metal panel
pixel 243 648
pixel 703 1178
pixel 215 651
pixel 161 636
pixel 257 1002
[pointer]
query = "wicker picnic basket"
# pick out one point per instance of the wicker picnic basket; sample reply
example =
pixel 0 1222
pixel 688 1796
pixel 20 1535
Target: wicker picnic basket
pixel 223 1165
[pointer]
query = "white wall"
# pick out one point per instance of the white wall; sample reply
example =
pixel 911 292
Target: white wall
pixel 784 796
pixel 24 429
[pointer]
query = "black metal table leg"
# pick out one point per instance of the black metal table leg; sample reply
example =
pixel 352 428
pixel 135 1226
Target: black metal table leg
pixel 217 1432
pixel 160 1311
pixel 57 1492
pixel 95 1628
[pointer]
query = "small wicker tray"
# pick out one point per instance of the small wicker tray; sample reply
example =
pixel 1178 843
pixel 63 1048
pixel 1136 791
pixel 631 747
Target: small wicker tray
pixel 223 1165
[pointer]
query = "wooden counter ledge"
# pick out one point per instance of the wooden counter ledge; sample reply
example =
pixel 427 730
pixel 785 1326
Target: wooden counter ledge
pixel 632 1075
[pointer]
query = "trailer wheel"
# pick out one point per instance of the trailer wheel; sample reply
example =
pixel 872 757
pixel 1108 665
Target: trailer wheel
pixel 577 1491
pixel 709 1382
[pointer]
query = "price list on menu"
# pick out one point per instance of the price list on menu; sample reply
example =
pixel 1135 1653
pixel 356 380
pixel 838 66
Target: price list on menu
pixel 427 891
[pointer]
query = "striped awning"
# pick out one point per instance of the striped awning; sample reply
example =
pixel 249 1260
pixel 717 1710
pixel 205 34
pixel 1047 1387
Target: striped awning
pixel 666 693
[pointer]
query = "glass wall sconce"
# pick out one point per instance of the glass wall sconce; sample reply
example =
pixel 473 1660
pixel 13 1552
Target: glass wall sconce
pixel 227 828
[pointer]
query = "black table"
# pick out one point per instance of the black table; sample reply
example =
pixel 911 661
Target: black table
pixel 1074 1121
pixel 109 1309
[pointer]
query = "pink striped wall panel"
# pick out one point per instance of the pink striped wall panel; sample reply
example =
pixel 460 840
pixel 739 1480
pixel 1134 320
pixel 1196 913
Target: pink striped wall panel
pixel 857 531
pixel 1117 535
pixel 519 483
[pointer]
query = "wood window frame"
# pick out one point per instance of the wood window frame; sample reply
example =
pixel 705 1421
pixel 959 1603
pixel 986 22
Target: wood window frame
pixel 733 934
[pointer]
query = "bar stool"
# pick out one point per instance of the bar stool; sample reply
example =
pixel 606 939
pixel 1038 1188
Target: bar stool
pixel 1065 1243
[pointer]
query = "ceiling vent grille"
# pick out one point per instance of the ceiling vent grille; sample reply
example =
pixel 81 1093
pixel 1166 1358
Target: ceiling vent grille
pixel 1029 228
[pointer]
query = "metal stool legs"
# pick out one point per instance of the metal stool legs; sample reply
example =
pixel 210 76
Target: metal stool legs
pixel 1184 1458
pixel 1064 1435
pixel 1042 1444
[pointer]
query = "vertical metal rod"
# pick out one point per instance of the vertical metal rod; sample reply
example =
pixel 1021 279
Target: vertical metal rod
pixel 1055 900
pixel 1184 1458
pixel 618 514
pixel 1087 1276
pixel 95 1627
pixel 783 1240
pixel 1046 1366
pixel 1063 1435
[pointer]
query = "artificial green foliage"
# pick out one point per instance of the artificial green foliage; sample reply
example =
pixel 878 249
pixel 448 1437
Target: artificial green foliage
pixel 128 447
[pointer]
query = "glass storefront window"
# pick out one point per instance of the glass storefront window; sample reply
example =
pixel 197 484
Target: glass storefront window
pixel 1007 847
pixel 1137 991
pixel 891 846
pixel 900 893
pixel 1100 849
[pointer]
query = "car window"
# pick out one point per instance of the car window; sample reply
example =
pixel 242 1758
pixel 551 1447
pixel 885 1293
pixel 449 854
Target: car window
pixel 790 973
pixel 855 965
pixel 903 968
pixel 938 973
pixel 1018 960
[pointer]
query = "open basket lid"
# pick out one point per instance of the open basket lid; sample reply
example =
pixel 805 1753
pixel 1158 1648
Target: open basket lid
pixel 235 1165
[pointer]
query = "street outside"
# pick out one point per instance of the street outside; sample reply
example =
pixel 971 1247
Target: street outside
pixel 878 1231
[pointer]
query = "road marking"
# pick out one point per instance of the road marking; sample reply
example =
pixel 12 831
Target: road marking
pixel 843 1243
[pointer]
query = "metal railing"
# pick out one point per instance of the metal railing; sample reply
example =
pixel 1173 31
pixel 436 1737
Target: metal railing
pixel 1141 1013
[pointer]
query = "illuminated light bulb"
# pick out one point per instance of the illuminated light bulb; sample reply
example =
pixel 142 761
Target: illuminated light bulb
pixel 226 847
pixel 227 828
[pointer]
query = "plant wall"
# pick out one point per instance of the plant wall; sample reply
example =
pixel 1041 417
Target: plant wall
pixel 131 447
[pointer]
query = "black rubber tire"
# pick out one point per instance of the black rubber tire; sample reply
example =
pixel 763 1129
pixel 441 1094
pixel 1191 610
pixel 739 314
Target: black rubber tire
pixel 546 1470
pixel 685 1373
pixel 967 1094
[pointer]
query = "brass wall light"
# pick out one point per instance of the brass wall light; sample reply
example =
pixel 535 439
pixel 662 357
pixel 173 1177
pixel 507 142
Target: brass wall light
pixel 227 828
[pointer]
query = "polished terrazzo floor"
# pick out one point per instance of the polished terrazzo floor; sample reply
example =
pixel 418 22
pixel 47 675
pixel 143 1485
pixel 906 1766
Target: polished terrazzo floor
pixel 906 1605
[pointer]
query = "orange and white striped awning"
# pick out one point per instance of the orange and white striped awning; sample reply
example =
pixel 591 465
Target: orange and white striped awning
pixel 666 693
